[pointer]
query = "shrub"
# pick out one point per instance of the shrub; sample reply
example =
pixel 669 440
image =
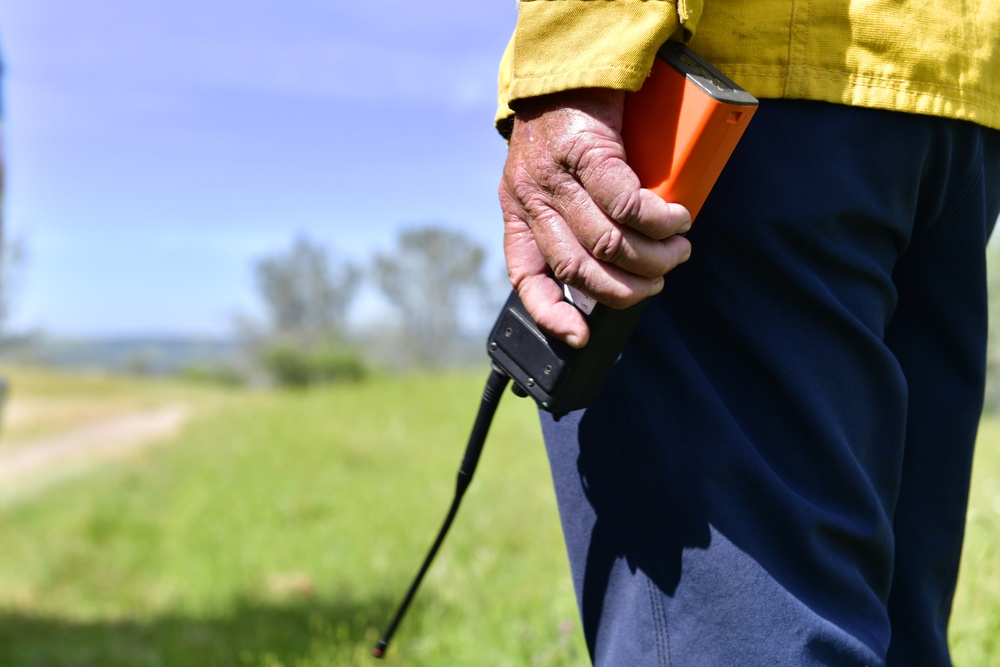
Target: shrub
pixel 291 366
pixel 222 375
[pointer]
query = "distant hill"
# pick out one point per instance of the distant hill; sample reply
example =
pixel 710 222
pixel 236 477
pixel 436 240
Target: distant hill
pixel 152 355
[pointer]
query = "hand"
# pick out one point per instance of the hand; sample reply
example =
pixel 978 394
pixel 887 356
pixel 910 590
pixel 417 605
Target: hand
pixel 574 212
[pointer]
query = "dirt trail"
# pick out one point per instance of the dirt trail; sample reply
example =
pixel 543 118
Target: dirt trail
pixel 97 440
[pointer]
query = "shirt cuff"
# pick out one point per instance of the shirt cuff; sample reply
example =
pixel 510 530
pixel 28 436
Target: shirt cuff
pixel 565 44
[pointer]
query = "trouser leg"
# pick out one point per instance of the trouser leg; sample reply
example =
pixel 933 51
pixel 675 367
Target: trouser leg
pixel 939 336
pixel 729 499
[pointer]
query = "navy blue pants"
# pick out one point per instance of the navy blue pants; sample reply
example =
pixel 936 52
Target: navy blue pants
pixel 777 471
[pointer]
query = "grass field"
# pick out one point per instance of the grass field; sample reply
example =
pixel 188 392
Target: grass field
pixel 280 529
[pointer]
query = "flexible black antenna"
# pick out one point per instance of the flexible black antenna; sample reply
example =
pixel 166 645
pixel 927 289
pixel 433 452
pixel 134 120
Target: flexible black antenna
pixel 495 385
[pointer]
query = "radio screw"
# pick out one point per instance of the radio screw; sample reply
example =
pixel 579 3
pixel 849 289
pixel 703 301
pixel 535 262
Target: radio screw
pixel 493 346
pixel 508 332
pixel 548 369
pixel 531 382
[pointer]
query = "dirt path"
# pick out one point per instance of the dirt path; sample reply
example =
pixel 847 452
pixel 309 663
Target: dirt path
pixel 98 440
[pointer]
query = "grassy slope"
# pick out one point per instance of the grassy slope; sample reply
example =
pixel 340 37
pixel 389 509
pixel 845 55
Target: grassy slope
pixel 282 529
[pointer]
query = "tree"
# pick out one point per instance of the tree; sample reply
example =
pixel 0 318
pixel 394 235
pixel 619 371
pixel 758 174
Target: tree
pixel 429 279
pixel 12 255
pixel 305 297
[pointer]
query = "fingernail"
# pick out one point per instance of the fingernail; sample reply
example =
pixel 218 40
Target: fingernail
pixel 573 340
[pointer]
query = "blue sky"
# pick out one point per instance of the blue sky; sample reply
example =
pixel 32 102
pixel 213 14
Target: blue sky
pixel 155 149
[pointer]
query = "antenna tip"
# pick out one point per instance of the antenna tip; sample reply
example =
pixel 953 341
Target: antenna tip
pixel 379 650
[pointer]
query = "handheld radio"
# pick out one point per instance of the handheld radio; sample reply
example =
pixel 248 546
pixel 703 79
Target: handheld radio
pixel 679 130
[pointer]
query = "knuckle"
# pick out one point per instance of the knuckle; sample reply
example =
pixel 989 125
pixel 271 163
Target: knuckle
pixel 619 193
pixel 596 163
pixel 572 149
pixel 624 206
pixel 533 201
pixel 610 246
pixel 568 271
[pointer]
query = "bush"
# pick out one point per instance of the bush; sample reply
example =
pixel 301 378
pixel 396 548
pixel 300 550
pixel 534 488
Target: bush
pixel 221 375
pixel 291 366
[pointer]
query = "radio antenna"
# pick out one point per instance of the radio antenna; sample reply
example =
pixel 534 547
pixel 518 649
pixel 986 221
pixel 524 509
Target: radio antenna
pixel 495 385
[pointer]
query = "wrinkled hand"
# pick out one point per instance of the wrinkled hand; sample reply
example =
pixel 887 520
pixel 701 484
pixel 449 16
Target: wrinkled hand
pixel 574 212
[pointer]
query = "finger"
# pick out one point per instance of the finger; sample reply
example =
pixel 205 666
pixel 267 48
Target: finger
pixel 615 188
pixel 562 207
pixel 539 266
pixel 657 218
pixel 543 299
pixel 618 276
pixel 607 283
pixel 541 295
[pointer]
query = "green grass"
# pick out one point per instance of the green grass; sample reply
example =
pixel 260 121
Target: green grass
pixel 975 627
pixel 282 529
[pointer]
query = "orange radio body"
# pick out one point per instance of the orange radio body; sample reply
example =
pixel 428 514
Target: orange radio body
pixel 681 127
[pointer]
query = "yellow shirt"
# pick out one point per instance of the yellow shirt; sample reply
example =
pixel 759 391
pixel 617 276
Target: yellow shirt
pixel 905 55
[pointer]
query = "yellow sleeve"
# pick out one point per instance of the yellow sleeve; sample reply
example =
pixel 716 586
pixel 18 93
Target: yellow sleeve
pixel 565 44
